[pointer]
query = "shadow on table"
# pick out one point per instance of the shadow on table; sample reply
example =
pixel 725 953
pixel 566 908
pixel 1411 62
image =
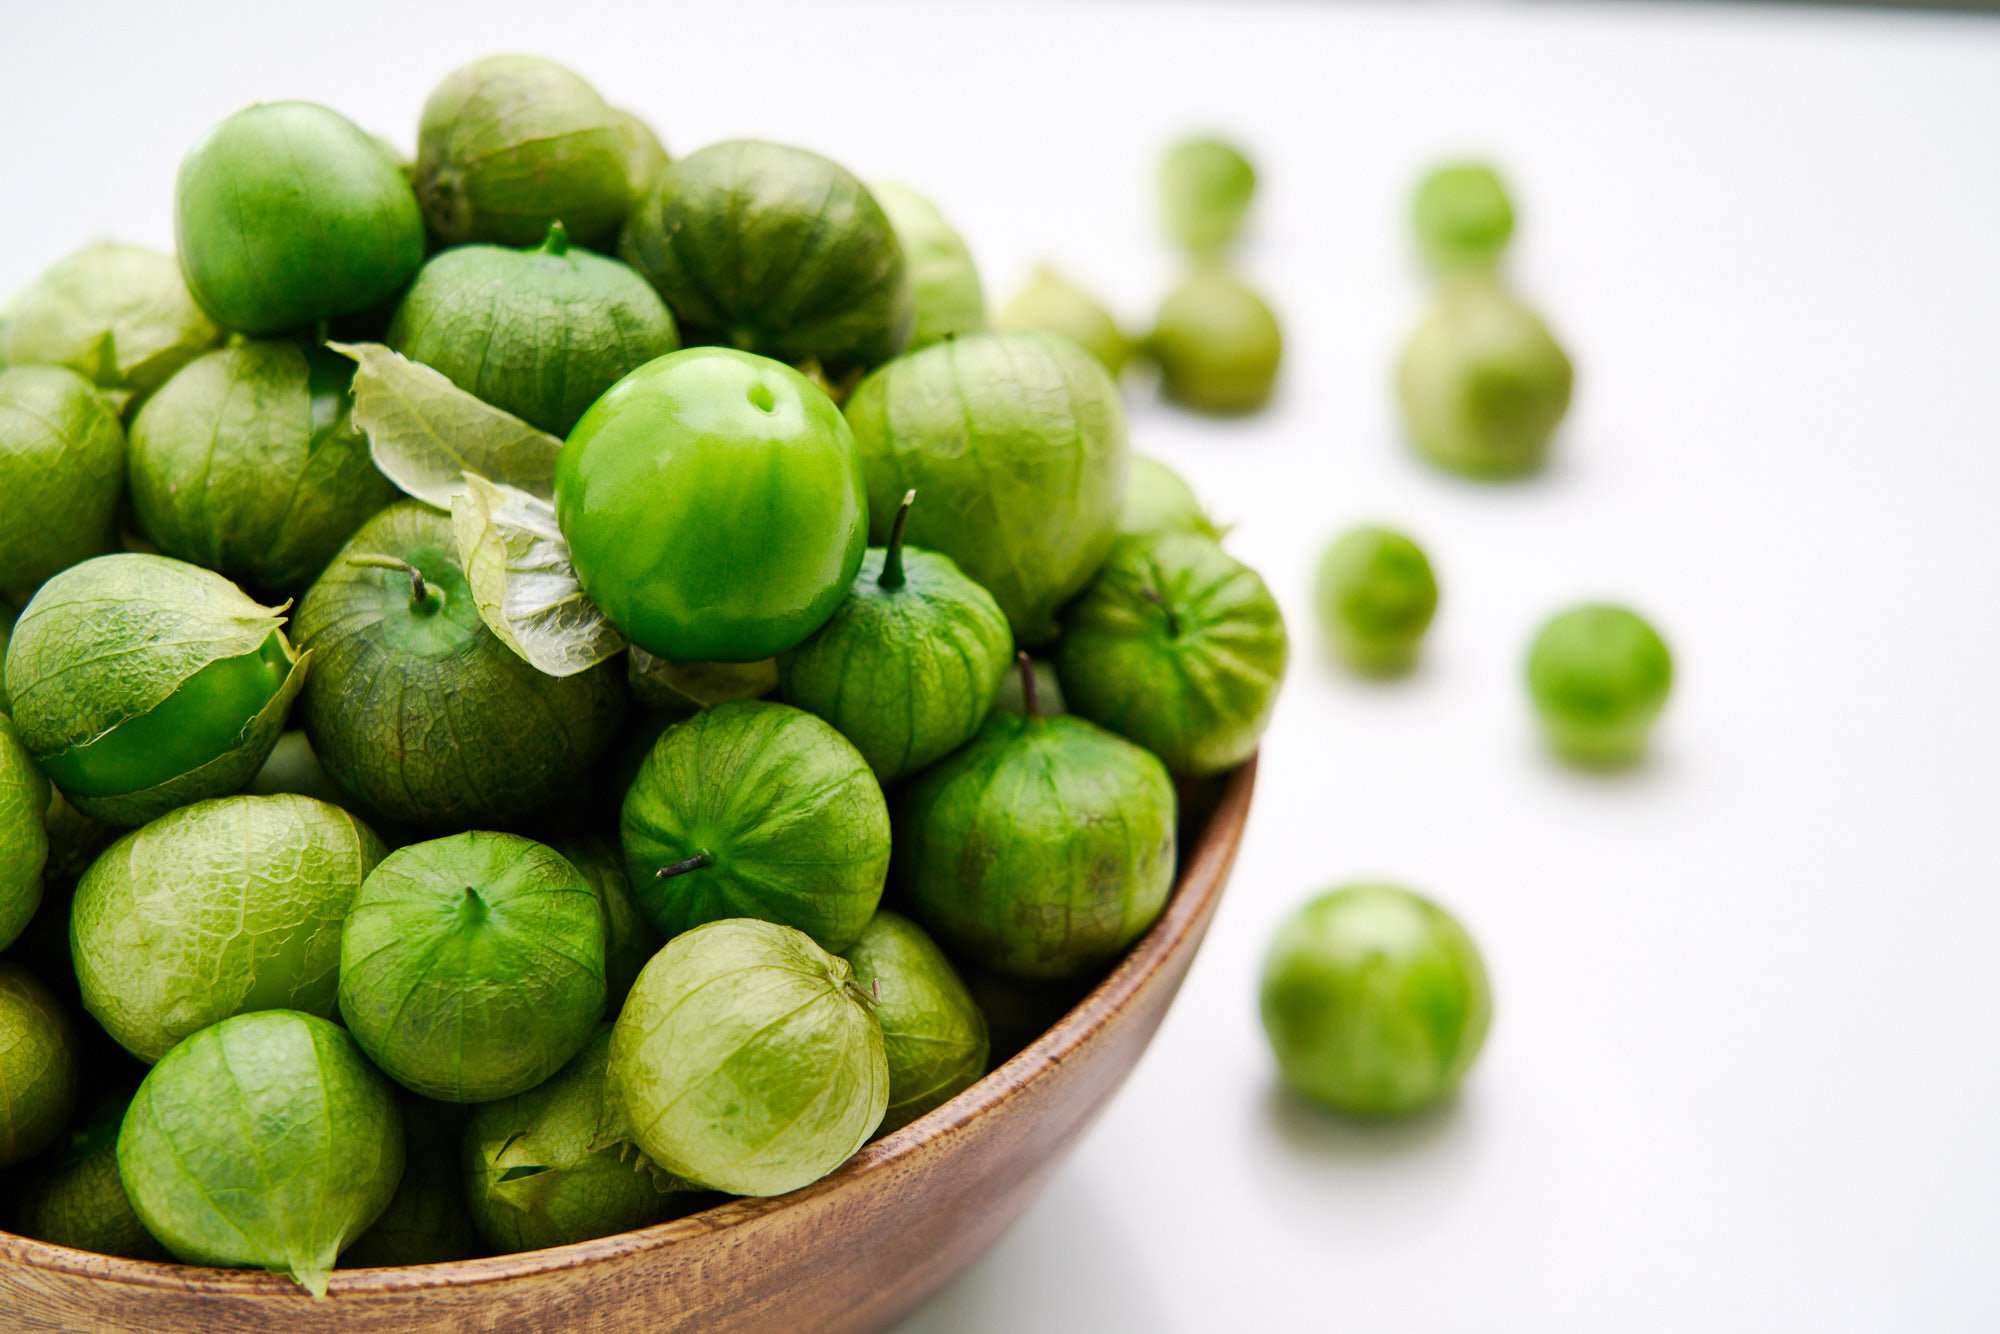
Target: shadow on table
pixel 1317 1132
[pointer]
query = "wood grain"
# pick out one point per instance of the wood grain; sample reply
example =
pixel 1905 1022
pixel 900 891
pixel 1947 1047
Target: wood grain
pixel 852 1252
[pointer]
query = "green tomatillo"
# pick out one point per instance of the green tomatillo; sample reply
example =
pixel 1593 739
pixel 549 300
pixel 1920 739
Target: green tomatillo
pixel 427 1221
pixel 909 663
pixel 932 1029
pixel 264 1141
pixel 219 908
pixel 38 1070
pixel 24 835
pixel 416 708
pixel 287 214
pixel 1462 217
pixel 630 938
pixel 544 1168
pixel 1017 444
pixel 1051 303
pixel 72 1197
pixel 1176 645
pixel 538 333
pixel 1217 343
pixel 1376 596
pixel 141 683
pixel 1375 1000
pixel 1206 185
pixel 119 314
pixel 472 967
pixel 1158 499
pixel 944 282
pixel 778 251
pixel 62 469
pixel 1041 849
pixel 747 1060
pixel 248 462
pixel 713 505
pixel 1483 384
pixel 1599 677
pixel 511 144
pixel 757 810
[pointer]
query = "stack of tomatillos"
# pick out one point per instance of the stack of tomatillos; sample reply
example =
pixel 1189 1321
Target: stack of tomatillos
pixel 520 717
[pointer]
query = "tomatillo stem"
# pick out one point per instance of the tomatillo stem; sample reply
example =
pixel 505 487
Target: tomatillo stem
pixel 682 867
pixel 557 241
pixel 892 561
pixel 423 598
pixel 1031 698
pixel 1152 595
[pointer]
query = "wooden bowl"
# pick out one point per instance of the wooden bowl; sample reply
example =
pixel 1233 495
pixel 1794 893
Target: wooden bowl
pixel 854 1251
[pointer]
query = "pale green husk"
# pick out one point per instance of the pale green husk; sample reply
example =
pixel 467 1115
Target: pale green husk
pixel 263 1141
pixel 427 1221
pixel 944 281
pixel 24 836
pixel 932 1029
pixel 746 1061
pixel 219 908
pixel 539 1170
pixel 120 315
pixel 1158 499
pixel 1017 445
pixel 524 583
pixel 38 1073
pixel 629 939
pixel 73 1196
pixel 230 468
pixel 1051 303
pixel 62 469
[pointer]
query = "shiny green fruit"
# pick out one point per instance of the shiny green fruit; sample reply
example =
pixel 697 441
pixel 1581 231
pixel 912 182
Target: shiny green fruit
pixel 1041 849
pixel 944 281
pixel 287 214
pixel 38 1072
pixel 932 1030
pixel 511 144
pixel 713 505
pixel 1376 596
pixel 538 333
pixel 265 1141
pixel 908 665
pixel 540 1170
pixel 1599 677
pixel 1375 1001
pixel 62 469
pixel 416 709
pixel 778 251
pixel 1179 646
pixel 120 315
pixel 1051 303
pixel 1017 444
pixel 747 1060
pixel 472 967
pixel 757 810
pixel 219 908
pixel 1218 344
pixel 248 462
pixel 141 683
pixel 1483 384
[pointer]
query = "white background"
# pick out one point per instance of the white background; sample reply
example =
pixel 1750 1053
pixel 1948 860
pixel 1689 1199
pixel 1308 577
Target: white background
pixel 1744 1073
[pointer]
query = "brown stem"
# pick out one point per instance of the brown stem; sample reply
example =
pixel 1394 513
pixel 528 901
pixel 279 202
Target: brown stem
pixel 1152 595
pixel 1031 697
pixel 686 864
pixel 422 595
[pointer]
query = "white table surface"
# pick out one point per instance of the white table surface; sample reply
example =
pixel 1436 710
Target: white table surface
pixel 1744 1073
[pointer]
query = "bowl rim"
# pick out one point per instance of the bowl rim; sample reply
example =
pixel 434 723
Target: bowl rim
pixel 1201 880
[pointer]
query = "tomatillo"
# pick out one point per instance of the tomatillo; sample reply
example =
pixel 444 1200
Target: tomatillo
pixel 713 505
